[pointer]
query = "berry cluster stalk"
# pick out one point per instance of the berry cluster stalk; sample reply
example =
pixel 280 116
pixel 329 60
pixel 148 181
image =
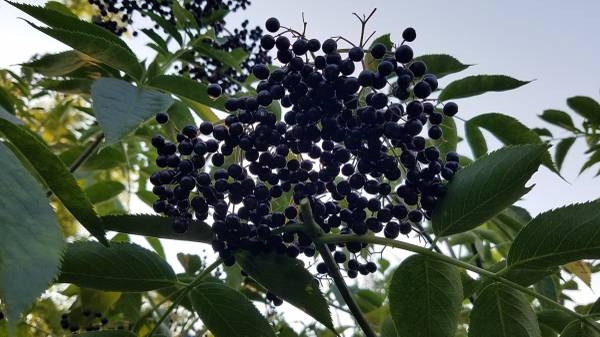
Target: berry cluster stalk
pixel 315 232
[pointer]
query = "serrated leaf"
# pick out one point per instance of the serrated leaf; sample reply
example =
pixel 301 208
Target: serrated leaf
pixel 586 107
pixel 501 311
pixel 58 64
pixel 442 64
pixel 233 59
pixel 31 243
pixel 57 19
pixel 479 84
pixel 557 237
pixel 97 48
pixel 75 86
pixel 579 329
pixel 273 272
pixel 121 107
pixel 121 267
pixel 592 160
pixel 157 226
pixel 227 313
pixel 425 297
pixel 486 187
pixel 562 148
pixel 188 89
pixel 558 118
pixel 56 176
pixel 104 190
pixel 509 131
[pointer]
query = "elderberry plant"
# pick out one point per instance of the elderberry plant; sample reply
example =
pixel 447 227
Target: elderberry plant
pixel 318 165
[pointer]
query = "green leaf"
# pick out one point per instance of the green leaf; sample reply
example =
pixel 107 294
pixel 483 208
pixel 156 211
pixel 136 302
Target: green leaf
pixel 592 160
pixel 227 313
pixel 58 19
pixel 425 297
pixel 476 140
pixel 180 114
pixel 557 237
pixel 56 176
pixel 579 329
pixel 121 107
pixel 479 84
pixel 388 329
pixel 273 272
pixel 232 59
pixel 31 243
pixel 555 319
pixel 9 117
pixel 75 86
pixel 97 48
pixel 58 64
pixel 156 226
pixel 509 131
pixel 59 7
pixel 104 190
pixel 562 148
pixel 442 64
pixel 586 107
pixel 157 39
pixel 558 118
pixel 107 333
pixel 186 88
pixel 486 187
pixel 542 132
pixel 166 26
pixel 156 245
pixel 501 311
pixel 120 267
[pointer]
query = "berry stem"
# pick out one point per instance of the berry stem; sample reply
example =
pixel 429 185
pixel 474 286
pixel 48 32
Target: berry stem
pixel 86 153
pixel 314 231
pixel 338 238
pixel 184 292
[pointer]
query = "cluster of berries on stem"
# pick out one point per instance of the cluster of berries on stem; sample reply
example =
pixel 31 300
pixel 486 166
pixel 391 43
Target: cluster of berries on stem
pixel 358 152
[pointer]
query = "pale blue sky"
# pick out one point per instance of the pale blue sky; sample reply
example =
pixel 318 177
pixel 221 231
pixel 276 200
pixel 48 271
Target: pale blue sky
pixel 554 42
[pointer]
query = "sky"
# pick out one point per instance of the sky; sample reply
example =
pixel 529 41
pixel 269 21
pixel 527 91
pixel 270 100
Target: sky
pixel 553 42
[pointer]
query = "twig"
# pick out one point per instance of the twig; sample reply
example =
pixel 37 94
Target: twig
pixel 313 230
pixel 86 153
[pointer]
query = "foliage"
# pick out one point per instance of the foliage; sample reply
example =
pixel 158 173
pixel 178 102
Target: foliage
pixel 77 130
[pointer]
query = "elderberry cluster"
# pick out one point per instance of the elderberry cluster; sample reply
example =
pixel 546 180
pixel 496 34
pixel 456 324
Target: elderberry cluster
pixel 357 153
pixel 117 15
pixel 94 321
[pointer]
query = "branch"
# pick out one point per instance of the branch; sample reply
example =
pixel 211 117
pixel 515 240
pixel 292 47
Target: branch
pixel 86 153
pixel 315 232
pixel 184 293
pixel 325 239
